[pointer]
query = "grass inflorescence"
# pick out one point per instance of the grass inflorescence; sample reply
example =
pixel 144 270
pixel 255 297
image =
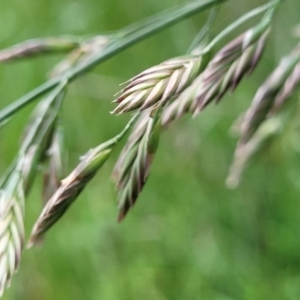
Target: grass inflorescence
pixel 159 96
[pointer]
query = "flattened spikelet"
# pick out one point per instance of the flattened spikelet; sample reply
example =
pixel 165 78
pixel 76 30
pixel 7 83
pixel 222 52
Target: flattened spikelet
pixel 37 46
pixel 155 86
pixel 272 94
pixel 53 175
pixel 11 228
pixel 69 190
pixel 132 169
pixel 182 104
pixel 268 129
pixel 229 66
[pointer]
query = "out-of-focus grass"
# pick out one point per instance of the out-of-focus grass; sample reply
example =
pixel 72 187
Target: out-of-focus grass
pixel 188 236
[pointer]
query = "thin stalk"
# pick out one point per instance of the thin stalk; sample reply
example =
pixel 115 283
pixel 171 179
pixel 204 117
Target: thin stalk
pixel 122 44
pixel 183 13
pixel 146 22
pixel 251 14
pixel 120 136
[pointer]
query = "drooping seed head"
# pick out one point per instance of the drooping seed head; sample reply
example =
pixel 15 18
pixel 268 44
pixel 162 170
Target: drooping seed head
pixel 136 134
pixel 230 65
pixel 11 227
pixel 272 94
pixel 288 88
pixel 155 86
pixel 69 190
pixel 73 184
pixel 132 169
pixel 269 129
pixel 38 46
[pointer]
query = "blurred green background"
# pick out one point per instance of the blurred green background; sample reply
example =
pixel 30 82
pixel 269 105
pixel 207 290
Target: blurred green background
pixel 188 237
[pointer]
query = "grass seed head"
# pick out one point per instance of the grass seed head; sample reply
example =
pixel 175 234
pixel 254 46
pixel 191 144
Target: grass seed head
pixel 230 65
pixel 38 46
pixel 155 86
pixel 272 94
pixel 132 169
pixel 182 104
pixel 12 203
pixel 69 190
pixel 73 184
pixel 269 129
pixel 54 174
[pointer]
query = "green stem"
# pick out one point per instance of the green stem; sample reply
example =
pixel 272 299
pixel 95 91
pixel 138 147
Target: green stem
pixel 204 30
pixel 120 136
pixel 181 14
pixel 115 140
pixel 239 22
pixel 146 22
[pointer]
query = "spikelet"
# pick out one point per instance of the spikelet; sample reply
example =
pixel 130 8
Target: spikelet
pixel 155 86
pixel 69 190
pixel 54 173
pixel 38 46
pixel 263 136
pixel 230 65
pixel 273 93
pixel 11 226
pixel 182 104
pixel 132 169
pixel 38 134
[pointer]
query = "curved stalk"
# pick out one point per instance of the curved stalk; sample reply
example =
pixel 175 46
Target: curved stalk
pixel 251 14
